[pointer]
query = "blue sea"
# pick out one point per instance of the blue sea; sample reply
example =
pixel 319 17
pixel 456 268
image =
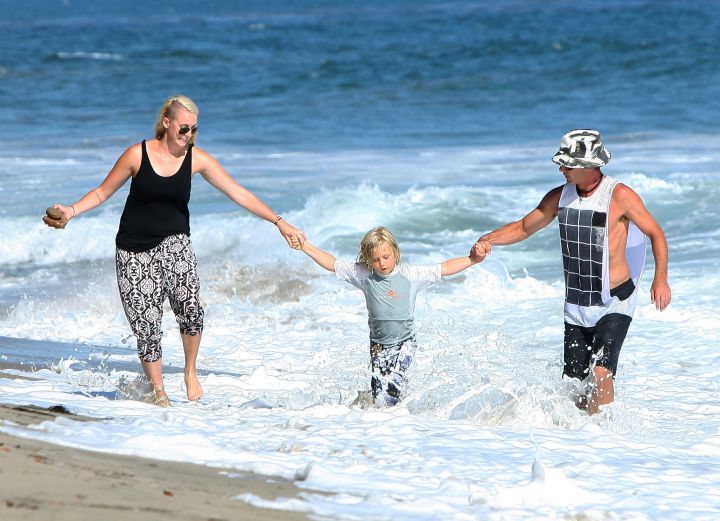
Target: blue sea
pixel 435 119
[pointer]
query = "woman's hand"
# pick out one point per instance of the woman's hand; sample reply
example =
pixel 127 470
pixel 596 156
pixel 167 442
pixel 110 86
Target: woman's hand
pixel 294 237
pixel 58 216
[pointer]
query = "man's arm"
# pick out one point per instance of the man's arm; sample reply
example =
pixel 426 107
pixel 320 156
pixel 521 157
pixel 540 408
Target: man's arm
pixel 536 220
pixel 632 207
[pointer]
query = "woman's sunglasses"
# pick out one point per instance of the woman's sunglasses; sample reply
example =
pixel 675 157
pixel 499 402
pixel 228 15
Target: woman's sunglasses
pixel 184 129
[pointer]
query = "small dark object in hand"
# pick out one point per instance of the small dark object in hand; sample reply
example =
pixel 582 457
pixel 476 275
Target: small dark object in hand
pixel 54 218
pixel 54 213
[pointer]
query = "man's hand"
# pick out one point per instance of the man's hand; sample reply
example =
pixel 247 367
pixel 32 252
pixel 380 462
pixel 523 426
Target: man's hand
pixel 660 294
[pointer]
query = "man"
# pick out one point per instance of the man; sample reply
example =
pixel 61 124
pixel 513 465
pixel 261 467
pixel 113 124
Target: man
pixel 602 223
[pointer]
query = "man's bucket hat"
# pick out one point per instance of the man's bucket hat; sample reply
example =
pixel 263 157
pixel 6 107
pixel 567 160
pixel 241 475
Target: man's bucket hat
pixel 582 149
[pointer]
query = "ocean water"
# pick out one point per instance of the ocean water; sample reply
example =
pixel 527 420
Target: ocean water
pixel 435 119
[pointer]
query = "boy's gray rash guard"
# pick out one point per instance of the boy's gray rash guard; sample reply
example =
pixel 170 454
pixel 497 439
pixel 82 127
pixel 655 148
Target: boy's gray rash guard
pixel 390 299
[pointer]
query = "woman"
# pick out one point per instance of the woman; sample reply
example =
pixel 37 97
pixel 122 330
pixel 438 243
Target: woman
pixel 154 256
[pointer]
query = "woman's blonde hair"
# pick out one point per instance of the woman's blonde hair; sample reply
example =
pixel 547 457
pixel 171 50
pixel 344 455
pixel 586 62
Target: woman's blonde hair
pixel 168 110
pixel 372 240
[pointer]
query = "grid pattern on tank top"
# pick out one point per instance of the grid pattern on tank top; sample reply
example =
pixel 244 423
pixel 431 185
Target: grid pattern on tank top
pixel 582 239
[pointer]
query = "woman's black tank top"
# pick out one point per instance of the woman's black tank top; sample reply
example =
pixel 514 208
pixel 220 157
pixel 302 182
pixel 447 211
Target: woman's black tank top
pixel 156 206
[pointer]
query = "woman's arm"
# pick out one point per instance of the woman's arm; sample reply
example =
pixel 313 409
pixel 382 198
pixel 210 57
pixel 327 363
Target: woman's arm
pixel 125 167
pixel 216 175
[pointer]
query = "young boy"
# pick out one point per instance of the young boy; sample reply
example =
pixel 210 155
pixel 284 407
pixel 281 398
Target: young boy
pixel 390 290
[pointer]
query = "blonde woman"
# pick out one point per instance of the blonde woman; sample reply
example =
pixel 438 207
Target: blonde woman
pixel 390 288
pixel 154 256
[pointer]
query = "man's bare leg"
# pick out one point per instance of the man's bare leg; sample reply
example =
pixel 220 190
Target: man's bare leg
pixel 191 346
pixel 153 372
pixel 603 390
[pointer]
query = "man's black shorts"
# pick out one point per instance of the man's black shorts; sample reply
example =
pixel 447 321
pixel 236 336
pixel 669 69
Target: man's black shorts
pixel 603 342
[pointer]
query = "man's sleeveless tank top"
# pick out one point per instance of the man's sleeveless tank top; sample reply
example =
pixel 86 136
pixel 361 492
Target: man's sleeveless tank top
pixel 156 206
pixel 584 243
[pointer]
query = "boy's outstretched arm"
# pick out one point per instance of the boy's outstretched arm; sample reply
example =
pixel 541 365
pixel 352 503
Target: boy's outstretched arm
pixel 322 257
pixel 453 266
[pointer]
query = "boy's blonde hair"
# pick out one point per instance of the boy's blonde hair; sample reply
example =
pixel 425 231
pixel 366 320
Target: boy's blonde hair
pixel 372 240
pixel 168 111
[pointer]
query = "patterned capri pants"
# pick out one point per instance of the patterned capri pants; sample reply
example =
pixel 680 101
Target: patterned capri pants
pixel 389 364
pixel 146 278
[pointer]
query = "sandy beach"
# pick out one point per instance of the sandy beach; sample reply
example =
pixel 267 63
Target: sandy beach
pixel 40 481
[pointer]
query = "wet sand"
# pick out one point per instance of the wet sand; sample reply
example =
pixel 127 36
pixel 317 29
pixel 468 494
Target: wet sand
pixel 42 481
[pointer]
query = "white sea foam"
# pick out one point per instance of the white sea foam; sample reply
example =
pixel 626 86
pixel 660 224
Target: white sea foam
pixel 485 401
pixel 487 429
pixel 82 55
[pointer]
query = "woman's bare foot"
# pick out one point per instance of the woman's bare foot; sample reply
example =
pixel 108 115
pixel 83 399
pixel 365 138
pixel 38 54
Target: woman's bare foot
pixel 161 397
pixel 194 389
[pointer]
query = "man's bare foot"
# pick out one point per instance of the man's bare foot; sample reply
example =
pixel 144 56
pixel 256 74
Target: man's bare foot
pixel 161 397
pixel 581 402
pixel 194 389
pixel 589 404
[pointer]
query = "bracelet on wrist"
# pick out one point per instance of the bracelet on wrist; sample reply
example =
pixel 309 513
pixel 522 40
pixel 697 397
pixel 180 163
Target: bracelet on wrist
pixel 277 220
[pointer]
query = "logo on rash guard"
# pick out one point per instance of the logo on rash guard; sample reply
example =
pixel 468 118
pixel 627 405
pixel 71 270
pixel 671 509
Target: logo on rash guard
pixel 391 294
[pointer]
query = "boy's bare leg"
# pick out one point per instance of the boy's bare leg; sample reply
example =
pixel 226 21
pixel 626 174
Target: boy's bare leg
pixel 191 346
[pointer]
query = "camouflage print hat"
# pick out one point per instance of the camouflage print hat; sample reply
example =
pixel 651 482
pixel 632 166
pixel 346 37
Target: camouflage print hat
pixel 582 149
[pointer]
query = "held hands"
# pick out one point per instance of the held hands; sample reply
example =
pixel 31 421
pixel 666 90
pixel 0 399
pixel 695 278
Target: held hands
pixel 58 216
pixel 480 250
pixel 294 237
pixel 295 243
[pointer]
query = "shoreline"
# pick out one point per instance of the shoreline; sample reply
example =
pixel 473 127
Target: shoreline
pixel 43 481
